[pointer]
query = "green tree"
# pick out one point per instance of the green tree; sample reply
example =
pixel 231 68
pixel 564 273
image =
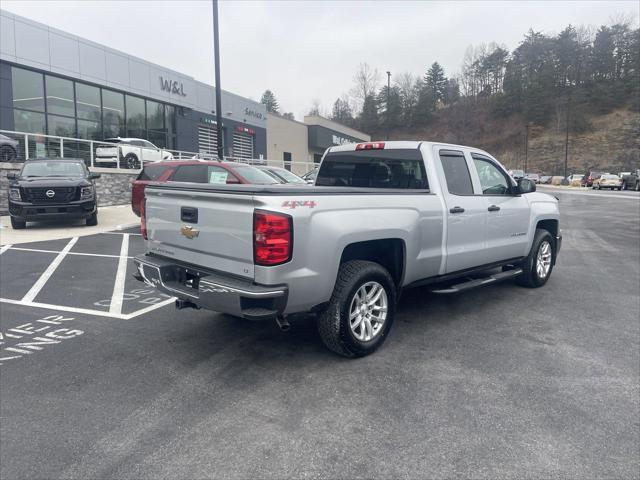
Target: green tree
pixel 436 82
pixel 341 112
pixel 368 120
pixel 269 100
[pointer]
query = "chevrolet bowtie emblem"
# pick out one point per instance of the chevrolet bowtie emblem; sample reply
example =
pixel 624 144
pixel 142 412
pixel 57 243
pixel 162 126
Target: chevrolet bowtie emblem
pixel 189 232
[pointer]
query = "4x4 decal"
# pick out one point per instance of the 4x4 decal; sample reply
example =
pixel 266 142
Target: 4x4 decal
pixel 299 203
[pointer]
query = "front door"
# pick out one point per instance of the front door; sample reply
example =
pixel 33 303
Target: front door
pixel 465 213
pixel 507 224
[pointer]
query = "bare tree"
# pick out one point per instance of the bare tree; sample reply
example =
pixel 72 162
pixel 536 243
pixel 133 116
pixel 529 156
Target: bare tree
pixel 315 107
pixel 366 82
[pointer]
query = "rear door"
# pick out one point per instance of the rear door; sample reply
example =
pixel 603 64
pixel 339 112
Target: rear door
pixel 507 214
pixel 465 213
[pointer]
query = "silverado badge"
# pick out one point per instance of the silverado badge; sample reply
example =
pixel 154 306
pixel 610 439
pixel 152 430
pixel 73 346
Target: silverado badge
pixel 189 232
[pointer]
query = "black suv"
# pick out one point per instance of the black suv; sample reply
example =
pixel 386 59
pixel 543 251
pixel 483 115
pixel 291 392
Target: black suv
pixel 50 188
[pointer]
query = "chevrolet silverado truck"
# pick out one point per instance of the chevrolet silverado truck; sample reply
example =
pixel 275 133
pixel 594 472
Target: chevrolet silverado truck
pixel 381 217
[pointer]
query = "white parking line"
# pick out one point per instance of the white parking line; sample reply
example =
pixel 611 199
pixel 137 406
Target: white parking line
pixel 120 233
pixel 33 292
pixel 68 253
pixel 87 311
pixel 4 248
pixel 115 307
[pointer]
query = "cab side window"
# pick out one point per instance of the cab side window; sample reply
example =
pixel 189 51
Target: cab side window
pixel 456 172
pixel 492 179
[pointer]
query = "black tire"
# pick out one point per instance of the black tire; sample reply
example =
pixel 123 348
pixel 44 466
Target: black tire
pixel 7 153
pixel 637 186
pixel 18 224
pixel 333 322
pixel 92 221
pixel 530 277
pixel 131 161
pixel 623 186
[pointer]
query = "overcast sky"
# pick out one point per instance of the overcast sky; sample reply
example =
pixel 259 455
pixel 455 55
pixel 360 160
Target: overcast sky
pixel 306 50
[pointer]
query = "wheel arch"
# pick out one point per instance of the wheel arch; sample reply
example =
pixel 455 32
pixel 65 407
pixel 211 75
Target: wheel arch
pixel 388 252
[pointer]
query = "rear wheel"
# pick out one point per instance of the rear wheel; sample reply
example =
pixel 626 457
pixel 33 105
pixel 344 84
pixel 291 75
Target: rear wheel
pixel 7 153
pixel 361 309
pixel 92 221
pixel 131 161
pixel 17 224
pixel 537 267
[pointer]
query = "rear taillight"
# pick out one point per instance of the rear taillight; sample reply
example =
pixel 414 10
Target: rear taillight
pixel 272 238
pixel 143 218
pixel 370 146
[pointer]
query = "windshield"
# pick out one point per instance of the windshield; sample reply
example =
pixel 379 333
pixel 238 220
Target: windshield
pixel 53 169
pixel 287 175
pixel 610 177
pixel 253 175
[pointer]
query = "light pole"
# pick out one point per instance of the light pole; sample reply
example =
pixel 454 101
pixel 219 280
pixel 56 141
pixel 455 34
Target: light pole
pixel 388 93
pixel 566 138
pixel 526 146
pixel 216 59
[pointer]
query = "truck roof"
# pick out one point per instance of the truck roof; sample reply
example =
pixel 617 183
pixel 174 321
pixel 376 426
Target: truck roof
pixel 401 144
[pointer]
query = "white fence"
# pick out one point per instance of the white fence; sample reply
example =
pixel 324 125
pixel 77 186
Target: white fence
pixel 23 146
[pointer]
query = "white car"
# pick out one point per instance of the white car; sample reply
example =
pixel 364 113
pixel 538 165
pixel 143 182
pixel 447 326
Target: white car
pixel 132 153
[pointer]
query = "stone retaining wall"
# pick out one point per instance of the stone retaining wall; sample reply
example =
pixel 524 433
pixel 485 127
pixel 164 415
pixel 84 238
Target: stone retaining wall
pixel 113 187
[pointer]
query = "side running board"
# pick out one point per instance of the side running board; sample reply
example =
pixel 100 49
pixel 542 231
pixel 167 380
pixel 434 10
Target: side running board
pixel 480 282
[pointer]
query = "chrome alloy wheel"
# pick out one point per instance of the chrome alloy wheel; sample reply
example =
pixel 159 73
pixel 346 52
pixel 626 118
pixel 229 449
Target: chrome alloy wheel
pixel 368 311
pixel 543 261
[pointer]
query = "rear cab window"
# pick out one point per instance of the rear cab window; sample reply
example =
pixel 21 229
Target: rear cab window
pixel 394 169
pixel 456 172
pixel 152 172
pixel 204 174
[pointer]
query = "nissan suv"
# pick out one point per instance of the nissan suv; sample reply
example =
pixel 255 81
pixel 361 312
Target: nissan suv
pixel 52 188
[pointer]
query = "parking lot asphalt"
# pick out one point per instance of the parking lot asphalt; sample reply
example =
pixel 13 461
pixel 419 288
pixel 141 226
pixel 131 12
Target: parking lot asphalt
pixel 100 377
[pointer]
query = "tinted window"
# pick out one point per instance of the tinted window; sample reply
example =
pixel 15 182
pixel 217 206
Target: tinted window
pixel 60 169
pixel 492 179
pixel 60 96
pixel 288 176
pixel 253 175
pixel 152 172
pixel 61 126
pixel 30 122
pixel 399 168
pixel 28 89
pixel 191 173
pixel 113 112
pixel 456 173
pixel 88 102
pixel 135 117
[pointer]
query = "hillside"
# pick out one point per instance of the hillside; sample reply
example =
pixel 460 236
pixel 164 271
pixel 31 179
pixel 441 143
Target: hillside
pixel 612 142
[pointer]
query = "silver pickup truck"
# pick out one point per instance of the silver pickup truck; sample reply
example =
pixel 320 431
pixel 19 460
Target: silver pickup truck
pixel 381 217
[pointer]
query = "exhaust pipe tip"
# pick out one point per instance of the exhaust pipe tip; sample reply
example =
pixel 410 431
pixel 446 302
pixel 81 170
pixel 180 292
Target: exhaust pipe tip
pixel 283 324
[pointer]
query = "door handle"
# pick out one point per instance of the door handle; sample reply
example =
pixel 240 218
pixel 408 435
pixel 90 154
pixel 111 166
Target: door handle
pixel 493 208
pixel 189 214
pixel 456 210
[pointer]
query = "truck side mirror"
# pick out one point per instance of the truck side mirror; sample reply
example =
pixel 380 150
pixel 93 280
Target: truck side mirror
pixel 12 175
pixel 94 175
pixel 526 186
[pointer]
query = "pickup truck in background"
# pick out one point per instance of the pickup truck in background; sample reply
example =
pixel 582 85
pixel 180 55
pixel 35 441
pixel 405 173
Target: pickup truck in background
pixel 381 217
pixel 631 181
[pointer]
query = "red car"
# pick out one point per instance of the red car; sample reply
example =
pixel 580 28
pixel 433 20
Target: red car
pixel 196 171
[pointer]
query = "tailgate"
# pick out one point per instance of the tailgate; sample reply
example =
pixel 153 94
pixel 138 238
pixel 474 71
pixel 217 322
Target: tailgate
pixel 209 229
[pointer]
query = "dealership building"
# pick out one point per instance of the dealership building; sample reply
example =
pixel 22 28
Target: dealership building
pixel 55 83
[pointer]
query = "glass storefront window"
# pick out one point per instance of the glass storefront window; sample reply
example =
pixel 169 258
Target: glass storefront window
pixel 159 139
pixel 61 126
pixel 135 117
pixel 113 113
pixel 171 119
pixel 89 130
pixel 155 115
pixel 60 96
pixel 28 89
pixel 88 102
pixel 29 122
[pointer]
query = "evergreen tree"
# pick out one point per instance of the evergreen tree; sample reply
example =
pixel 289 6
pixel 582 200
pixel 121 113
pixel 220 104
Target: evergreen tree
pixel 269 100
pixel 368 120
pixel 436 83
pixel 341 112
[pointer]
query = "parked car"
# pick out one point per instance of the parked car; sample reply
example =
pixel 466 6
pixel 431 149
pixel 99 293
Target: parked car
pixel 575 180
pixel 534 177
pixel 588 178
pixel 282 175
pixel 545 179
pixel 310 176
pixel 197 171
pixel 607 181
pixel 346 252
pixel 50 188
pixel 516 174
pixel 8 149
pixel 631 181
pixel 129 153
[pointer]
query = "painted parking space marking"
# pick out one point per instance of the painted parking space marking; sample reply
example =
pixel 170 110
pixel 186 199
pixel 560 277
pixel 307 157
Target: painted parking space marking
pixel 68 253
pixel 31 294
pixel 4 248
pixel 31 337
pixel 118 287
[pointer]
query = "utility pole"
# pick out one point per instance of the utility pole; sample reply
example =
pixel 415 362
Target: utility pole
pixel 388 93
pixel 216 58
pixel 566 139
pixel 526 146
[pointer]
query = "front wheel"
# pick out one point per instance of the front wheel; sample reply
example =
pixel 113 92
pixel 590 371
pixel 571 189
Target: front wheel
pixel 92 221
pixel 537 267
pixel 637 186
pixel 17 224
pixel 361 310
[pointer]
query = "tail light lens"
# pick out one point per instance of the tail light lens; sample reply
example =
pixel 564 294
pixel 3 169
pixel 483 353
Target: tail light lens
pixel 370 146
pixel 143 219
pixel 272 238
